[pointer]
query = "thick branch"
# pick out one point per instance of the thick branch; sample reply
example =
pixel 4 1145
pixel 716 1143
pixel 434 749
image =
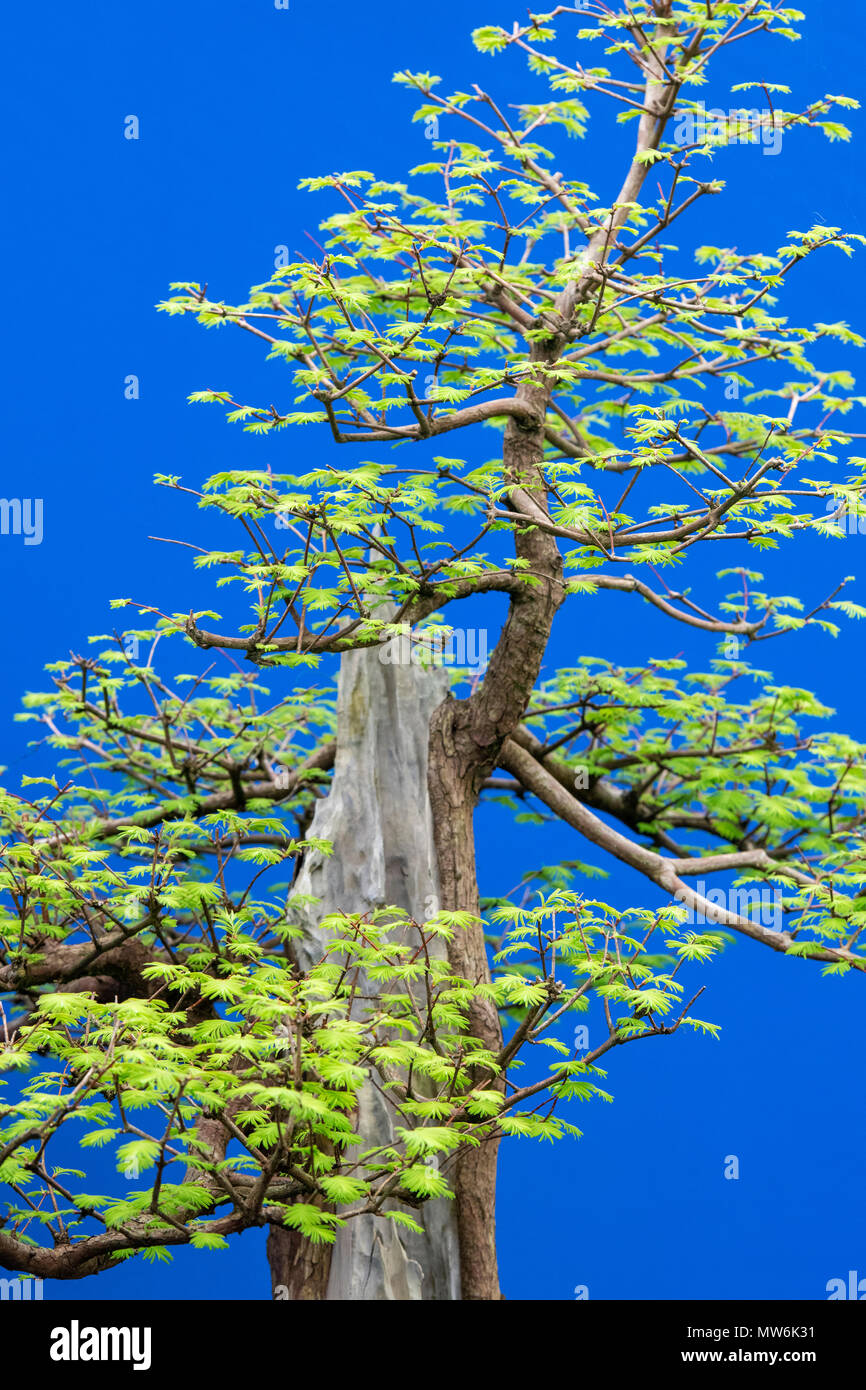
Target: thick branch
pixel 661 871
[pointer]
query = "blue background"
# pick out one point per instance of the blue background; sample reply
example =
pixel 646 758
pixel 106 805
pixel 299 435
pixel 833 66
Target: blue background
pixel 236 103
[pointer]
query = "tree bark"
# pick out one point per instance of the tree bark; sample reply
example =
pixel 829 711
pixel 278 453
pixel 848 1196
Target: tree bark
pixel 377 816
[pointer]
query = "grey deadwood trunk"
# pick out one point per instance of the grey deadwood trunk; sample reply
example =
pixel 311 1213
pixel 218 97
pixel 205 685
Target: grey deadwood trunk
pixel 377 816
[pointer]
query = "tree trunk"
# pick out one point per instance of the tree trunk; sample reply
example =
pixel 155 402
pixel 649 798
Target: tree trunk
pixel 453 796
pixel 466 738
pixel 377 816
pixel 404 838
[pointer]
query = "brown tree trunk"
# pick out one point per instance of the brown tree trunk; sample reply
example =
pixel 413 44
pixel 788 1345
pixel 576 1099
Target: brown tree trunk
pixel 466 737
pixel 453 805
pixel 299 1269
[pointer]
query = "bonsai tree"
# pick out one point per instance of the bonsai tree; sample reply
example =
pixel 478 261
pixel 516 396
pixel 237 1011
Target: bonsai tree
pixel 241 934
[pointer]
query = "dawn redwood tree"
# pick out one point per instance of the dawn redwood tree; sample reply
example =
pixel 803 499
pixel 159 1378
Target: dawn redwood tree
pixel 241 935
